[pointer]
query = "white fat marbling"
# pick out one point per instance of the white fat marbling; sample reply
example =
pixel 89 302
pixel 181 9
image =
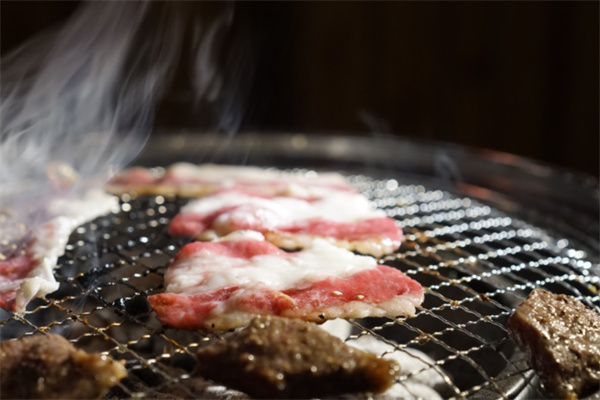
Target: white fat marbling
pixel 279 211
pixel 206 271
pixel 230 175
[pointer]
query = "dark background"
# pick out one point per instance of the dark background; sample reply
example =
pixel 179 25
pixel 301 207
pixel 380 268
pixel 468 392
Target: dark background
pixel 520 77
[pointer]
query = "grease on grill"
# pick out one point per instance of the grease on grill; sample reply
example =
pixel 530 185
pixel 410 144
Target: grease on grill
pixel 286 358
pixel 49 367
pixel 561 338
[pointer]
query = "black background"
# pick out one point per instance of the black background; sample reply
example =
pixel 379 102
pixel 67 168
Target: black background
pixel 520 77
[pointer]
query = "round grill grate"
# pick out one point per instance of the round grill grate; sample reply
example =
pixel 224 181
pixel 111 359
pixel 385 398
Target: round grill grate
pixel 475 262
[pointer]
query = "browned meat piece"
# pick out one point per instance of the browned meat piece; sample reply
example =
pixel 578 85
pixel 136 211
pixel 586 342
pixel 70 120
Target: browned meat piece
pixel 49 367
pixel 561 338
pixel 286 358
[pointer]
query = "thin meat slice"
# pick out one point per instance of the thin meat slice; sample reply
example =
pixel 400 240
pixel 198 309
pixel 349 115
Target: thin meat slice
pixel 191 180
pixel 345 219
pixel 29 273
pixel 222 285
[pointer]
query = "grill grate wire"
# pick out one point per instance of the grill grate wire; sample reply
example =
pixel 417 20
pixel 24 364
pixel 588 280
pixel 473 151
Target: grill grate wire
pixel 475 262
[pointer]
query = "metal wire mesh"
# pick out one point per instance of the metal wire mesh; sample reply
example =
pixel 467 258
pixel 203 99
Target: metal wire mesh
pixel 475 262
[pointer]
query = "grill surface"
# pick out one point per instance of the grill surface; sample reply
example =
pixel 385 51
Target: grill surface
pixel 475 262
pixel 467 244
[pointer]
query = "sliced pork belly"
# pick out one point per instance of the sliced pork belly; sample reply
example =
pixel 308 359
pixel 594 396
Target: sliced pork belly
pixel 345 219
pixel 190 180
pixel 222 285
pixel 30 274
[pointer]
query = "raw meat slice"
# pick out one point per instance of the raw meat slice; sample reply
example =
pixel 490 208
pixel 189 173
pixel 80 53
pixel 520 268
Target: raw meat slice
pixel 190 180
pixel 222 285
pixel 345 219
pixel 29 275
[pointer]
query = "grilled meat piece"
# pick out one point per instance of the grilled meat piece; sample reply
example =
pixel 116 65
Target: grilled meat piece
pixel 49 367
pixel 284 358
pixel 561 338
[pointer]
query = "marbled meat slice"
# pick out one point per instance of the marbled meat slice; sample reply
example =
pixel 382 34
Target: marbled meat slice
pixel 29 274
pixel 191 180
pixel 283 358
pixel 561 338
pixel 50 367
pixel 346 219
pixel 222 285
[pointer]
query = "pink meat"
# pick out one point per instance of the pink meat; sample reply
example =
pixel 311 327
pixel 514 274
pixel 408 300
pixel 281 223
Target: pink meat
pixel 197 180
pixel 290 222
pixel 12 272
pixel 237 249
pixel 379 291
pixel 254 185
pixel 134 176
pixel 374 228
pixel 27 272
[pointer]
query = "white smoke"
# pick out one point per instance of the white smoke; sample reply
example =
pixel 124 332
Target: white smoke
pixel 78 103
pixel 83 96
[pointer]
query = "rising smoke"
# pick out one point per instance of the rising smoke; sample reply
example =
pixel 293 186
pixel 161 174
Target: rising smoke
pixel 78 103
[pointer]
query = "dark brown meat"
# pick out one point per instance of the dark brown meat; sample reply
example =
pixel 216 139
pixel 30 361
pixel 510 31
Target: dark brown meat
pixel 285 358
pixel 561 338
pixel 49 367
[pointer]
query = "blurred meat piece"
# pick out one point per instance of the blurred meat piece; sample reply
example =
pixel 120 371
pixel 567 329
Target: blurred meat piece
pixel 561 338
pixel 283 358
pixel 191 180
pixel 49 367
pixel 31 274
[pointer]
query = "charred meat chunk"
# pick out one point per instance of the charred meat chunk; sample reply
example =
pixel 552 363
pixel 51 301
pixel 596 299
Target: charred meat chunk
pixel 286 358
pixel 561 338
pixel 50 367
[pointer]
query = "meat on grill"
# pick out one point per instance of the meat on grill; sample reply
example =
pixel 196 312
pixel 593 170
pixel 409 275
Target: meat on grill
pixel 561 338
pixel 29 275
pixel 190 180
pixel 282 358
pixel 49 367
pixel 222 285
pixel 346 219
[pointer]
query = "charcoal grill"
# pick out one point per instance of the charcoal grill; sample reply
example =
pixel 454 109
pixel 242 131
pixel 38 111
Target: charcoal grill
pixel 482 230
